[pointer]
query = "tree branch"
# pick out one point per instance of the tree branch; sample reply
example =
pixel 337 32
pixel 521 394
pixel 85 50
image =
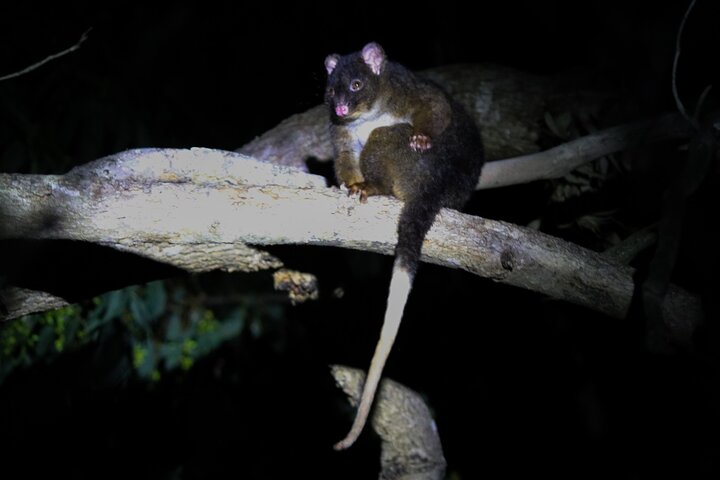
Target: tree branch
pixel 509 104
pixel 47 59
pixel 203 209
pixel 676 59
pixel 559 161
pixel 25 302
pixel 409 440
pixel 306 135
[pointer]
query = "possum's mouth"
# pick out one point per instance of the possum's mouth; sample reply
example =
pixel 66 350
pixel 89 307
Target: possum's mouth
pixel 346 111
pixel 347 116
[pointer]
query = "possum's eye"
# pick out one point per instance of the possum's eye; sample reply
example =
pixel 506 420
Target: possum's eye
pixel 356 85
pixel 330 92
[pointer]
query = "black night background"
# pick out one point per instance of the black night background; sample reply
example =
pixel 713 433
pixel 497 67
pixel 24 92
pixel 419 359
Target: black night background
pixel 520 385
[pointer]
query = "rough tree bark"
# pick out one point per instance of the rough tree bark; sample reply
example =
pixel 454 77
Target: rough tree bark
pixel 203 209
pixel 410 447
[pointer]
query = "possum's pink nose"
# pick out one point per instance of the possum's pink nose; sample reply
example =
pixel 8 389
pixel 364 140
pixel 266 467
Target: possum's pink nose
pixel 341 110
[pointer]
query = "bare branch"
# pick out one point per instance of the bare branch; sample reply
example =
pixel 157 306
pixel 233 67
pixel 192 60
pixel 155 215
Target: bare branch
pixel 25 302
pixel 626 251
pixel 50 58
pixel 200 209
pixel 294 140
pixel 410 443
pixel 302 136
pixel 678 102
pixel 561 160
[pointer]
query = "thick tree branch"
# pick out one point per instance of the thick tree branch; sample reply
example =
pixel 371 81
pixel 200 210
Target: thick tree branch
pixel 409 440
pixel 202 209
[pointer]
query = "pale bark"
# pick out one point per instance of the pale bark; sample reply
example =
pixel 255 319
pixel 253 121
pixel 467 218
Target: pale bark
pixel 203 209
pixel 410 447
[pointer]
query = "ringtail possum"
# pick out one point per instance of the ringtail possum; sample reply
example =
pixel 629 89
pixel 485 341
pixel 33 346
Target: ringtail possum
pixel 395 133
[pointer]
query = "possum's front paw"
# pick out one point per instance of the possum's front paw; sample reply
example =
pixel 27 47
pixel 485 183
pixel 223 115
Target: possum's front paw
pixel 420 142
pixel 364 189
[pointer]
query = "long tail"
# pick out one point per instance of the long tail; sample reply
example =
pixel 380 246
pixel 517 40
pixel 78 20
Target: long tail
pixel 416 219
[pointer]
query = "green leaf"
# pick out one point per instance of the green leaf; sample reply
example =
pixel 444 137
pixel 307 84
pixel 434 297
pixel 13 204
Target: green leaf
pixel 144 359
pixel 171 354
pixel 174 330
pixel 45 339
pixel 156 299
pixel 115 304
pixel 139 312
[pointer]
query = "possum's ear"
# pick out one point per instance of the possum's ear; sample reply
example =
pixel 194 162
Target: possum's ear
pixel 330 62
pixel 374 57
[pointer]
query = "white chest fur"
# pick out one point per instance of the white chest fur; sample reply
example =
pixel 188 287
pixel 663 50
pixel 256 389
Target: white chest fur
pixel 361 129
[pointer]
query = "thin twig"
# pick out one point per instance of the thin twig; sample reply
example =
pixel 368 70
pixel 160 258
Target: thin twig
pixel 680 106
pixel 701 102
pixel 48 59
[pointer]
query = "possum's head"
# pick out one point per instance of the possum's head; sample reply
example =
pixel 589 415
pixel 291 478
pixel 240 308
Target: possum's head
pixel 354 82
